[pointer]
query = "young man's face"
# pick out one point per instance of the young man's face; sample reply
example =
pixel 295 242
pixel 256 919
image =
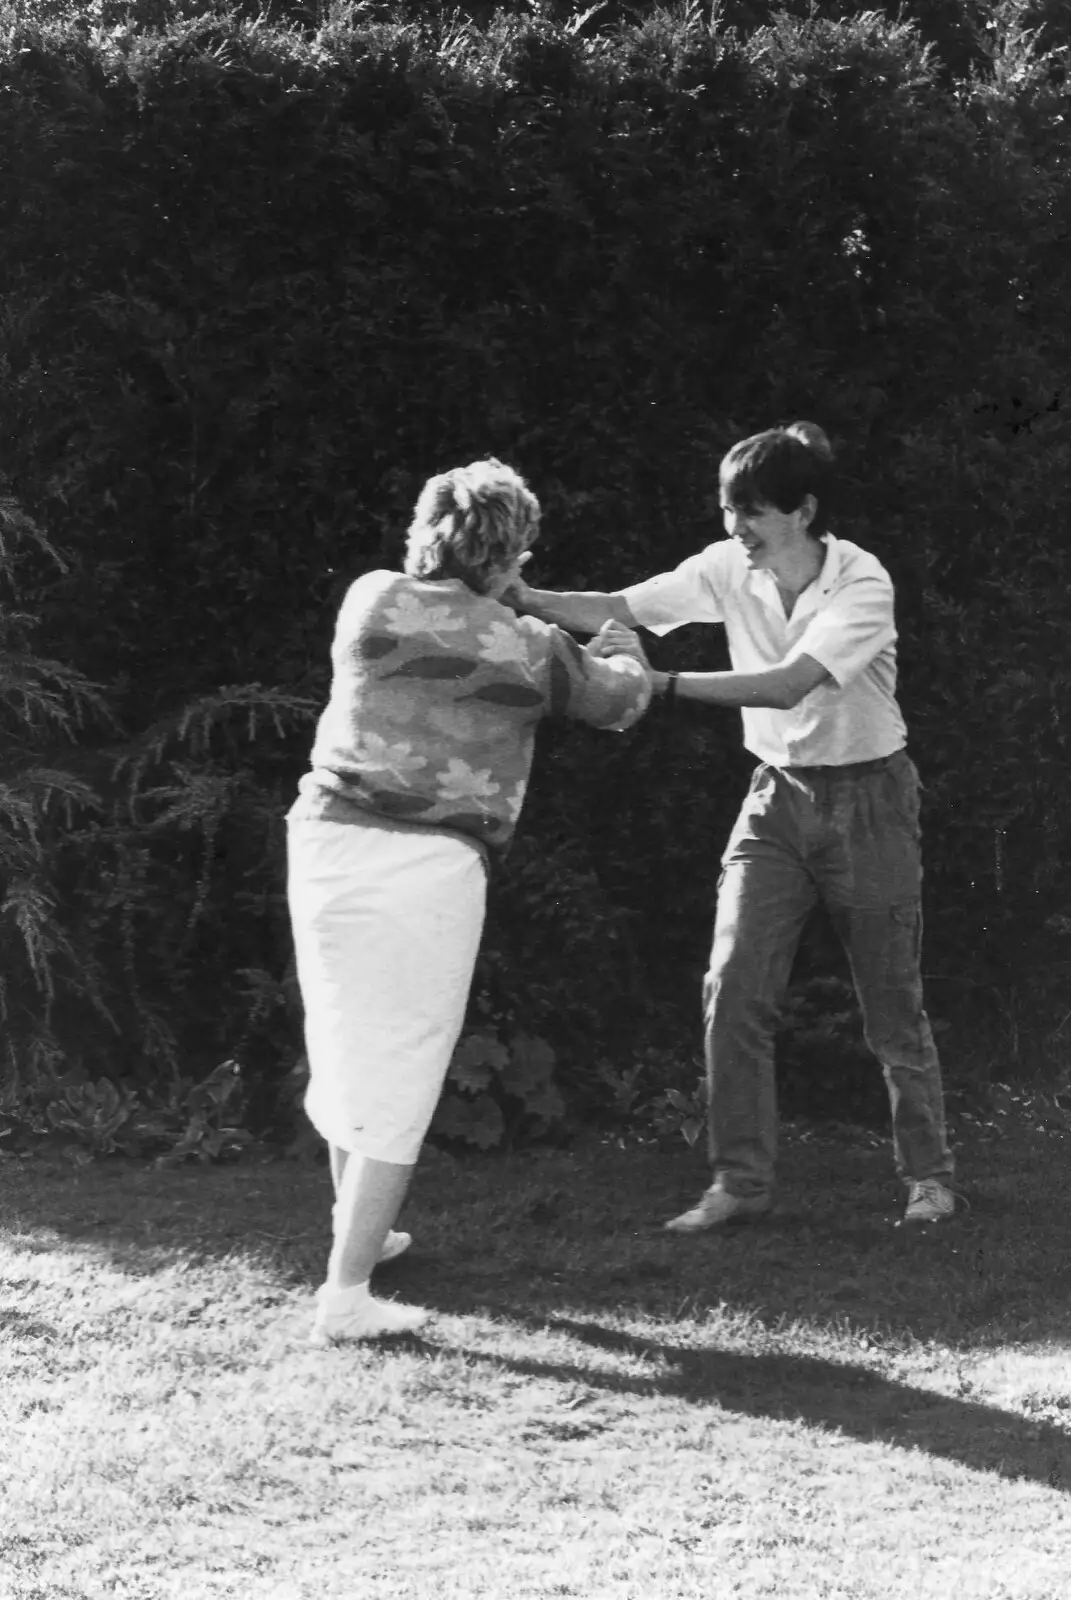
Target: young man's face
pixel 764 532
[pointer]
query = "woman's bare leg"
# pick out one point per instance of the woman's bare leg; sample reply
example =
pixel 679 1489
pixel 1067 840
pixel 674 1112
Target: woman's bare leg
pixel 368 1197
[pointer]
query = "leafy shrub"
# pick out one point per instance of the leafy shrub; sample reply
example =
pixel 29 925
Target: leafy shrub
pixel 260 281
pixel 497 1093
pixel 684 1112
pixel 181 1120
pixel 824 1065
pixel 47 710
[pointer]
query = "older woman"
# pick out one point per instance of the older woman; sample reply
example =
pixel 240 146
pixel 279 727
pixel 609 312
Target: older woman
pixel 418 775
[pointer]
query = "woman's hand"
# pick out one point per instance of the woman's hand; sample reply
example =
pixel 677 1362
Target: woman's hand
pixel 615 639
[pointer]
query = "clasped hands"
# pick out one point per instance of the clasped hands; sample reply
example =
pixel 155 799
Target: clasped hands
pixel 616 639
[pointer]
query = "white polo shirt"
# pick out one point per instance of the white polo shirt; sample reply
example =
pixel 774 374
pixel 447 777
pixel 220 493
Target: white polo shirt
pixel 843 620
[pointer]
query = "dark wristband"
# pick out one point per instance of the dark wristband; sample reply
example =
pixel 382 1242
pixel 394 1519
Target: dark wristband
pixel 670 695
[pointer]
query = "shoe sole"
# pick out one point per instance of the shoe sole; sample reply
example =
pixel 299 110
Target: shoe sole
pixel 318 1340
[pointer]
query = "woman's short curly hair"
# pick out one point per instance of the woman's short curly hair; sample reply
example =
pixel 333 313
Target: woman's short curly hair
pixel 471 523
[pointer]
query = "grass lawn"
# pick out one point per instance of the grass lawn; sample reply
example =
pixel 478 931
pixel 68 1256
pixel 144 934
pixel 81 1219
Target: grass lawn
pixel 820 1405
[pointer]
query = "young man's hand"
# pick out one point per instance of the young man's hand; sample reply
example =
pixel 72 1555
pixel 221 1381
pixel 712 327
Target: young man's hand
pixel 517 594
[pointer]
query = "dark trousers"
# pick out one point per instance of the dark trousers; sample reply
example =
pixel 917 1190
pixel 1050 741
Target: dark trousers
pixel 848 838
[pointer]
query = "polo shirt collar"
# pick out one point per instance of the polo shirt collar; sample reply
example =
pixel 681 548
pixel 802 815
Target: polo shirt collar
pixel 764 584
pixel 826 580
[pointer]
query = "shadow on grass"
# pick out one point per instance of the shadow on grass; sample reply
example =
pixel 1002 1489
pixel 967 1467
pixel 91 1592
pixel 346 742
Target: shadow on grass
pixel 833 1396
pixel 509 1240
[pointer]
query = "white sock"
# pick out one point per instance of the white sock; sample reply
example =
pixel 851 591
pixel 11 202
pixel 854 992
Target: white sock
pixel 338 1298
pixel 356 1314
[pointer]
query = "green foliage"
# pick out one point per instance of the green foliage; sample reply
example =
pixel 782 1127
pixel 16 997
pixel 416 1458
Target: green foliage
pixel 823 1063
pixel 94 1114
pixel 498 1093
pixel 264 272
pixel 684 1112
pixel 177 1121
pixel 46 797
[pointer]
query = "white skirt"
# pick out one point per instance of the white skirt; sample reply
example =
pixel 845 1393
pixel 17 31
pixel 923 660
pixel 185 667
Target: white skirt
pixel 386 929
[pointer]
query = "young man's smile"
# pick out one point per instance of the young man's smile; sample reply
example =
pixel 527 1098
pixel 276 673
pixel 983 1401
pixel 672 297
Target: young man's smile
pixel 763 532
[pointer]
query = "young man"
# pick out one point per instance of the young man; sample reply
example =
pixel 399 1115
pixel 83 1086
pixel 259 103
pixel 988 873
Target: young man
pixel 831 815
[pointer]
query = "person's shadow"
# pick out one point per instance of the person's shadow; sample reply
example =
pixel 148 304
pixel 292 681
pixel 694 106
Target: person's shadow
pixel 138 1221
pixel 829 1395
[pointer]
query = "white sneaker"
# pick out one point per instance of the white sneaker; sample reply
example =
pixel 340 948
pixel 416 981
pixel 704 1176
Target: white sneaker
pixel 717 1208
pixel 929 1200
pixel 343 1314
pixel 394 1245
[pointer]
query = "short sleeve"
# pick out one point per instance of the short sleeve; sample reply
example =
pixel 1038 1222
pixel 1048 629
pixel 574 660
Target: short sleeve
pixel 687 594
pixel 847 634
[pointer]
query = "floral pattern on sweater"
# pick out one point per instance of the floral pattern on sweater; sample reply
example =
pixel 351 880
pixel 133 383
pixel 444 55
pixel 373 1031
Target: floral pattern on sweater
pixel 436 693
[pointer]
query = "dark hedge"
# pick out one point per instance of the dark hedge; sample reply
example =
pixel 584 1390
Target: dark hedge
pixel 261 281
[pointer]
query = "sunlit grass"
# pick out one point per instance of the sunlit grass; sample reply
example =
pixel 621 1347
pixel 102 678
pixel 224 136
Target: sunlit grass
pixel 824 1405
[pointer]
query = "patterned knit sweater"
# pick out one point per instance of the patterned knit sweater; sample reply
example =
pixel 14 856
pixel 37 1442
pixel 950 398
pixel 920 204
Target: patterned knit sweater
pixel 435 696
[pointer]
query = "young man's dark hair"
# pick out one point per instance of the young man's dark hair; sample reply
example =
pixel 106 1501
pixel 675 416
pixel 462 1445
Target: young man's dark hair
pixel 781 467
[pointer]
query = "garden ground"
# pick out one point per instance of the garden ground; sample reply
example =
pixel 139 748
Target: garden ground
pixel 823 1405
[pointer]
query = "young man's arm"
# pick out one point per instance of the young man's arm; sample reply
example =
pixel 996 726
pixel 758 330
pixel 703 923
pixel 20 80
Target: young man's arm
pixel 583 611
pixel 780 688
